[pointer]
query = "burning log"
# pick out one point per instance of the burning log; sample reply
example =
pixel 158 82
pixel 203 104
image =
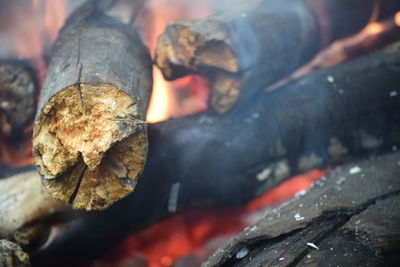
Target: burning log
pixel 259 42
pixel 11 255
pixel 334 223
pixel 329 117
pixel 90 137
pixel 18 92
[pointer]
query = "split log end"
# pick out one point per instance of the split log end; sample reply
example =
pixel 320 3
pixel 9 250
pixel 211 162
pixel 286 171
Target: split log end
pixel 90 137
pixel 188 47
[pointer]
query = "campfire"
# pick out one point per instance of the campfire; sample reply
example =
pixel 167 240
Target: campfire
pixel 218 133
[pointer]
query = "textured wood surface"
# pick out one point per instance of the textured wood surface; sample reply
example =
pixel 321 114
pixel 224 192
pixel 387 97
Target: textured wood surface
pixel 251 45
pixel 90 138
pixel 349 218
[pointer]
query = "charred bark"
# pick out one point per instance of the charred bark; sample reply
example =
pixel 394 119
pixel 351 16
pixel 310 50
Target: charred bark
pixel 90 136
pixel 258 42
pixel 331 116
pixel 336 222
pixel 18 92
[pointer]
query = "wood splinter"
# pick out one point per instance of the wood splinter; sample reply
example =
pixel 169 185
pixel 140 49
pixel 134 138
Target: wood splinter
pixel 90 136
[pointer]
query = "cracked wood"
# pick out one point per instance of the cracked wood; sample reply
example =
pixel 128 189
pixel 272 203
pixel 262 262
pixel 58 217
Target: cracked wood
pixel 90 136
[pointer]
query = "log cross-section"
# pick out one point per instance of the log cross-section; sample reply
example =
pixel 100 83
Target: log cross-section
pixel 90 138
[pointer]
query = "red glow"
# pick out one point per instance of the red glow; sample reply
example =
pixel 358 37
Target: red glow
pixel 190 233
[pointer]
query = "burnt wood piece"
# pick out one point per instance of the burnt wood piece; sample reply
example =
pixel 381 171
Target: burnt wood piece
pixel 227 160
pixel 11 255
pixel 348 218
pixel 18 93
pixel 259 42
pixel 27 212
pixel 90 136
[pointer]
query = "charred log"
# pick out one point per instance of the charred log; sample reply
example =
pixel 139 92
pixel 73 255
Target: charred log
pixel 90 137
pixel 18 92
pixel 336 222
pixel 258 42
pixel 332 116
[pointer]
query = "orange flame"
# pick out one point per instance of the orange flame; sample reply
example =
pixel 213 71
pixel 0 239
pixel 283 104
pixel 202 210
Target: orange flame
pixel 373 28
pixel 397 18
pixel 164 103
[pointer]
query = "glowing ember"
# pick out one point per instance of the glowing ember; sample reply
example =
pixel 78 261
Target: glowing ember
pixel 192 233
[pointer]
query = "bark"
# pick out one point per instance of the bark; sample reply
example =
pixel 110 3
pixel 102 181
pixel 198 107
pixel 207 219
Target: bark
pixel 258 42
pixel 347 219
pixel 18 92
pixel 90 137
pixel 205 160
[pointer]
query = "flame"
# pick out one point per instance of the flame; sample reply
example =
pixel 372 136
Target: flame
pixel 197 234
pixel 38 30
pixel 397 18
pixel 161 100
pixel 164 101
pixel 373 28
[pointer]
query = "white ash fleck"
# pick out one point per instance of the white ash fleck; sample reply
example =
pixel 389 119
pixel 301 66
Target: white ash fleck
pixel 309 256
pixel 394 148
pixel 341 91
pixel 353 202
pixel 301 193
pixel 398 163
pixel 331 249
pixel 298 217
pixel 324 196
pixel 205 120
pixel 330 79
pixel 256 115
pixel 312 245
pixel 393 93
pixel 243 252
pixel 253 228
pixel 264 174
pixel 355 170
pixel 341 180
pixel 301 205
pixel 173 197
pixel 281 258
pixel 243 15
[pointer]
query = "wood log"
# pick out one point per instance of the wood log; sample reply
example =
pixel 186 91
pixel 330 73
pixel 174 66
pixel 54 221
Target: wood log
pixel 258 42
pixel 348 219
pixel 27 212
pixel 18 93
pixel 207 160
pixel 11 255
pixel 90 138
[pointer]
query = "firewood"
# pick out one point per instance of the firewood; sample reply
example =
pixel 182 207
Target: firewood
pixel 258 42
pixel 348 219
pixel 18 92
pixel 90 137
pixel 25 208
pixel 11 255
pixel 332 116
